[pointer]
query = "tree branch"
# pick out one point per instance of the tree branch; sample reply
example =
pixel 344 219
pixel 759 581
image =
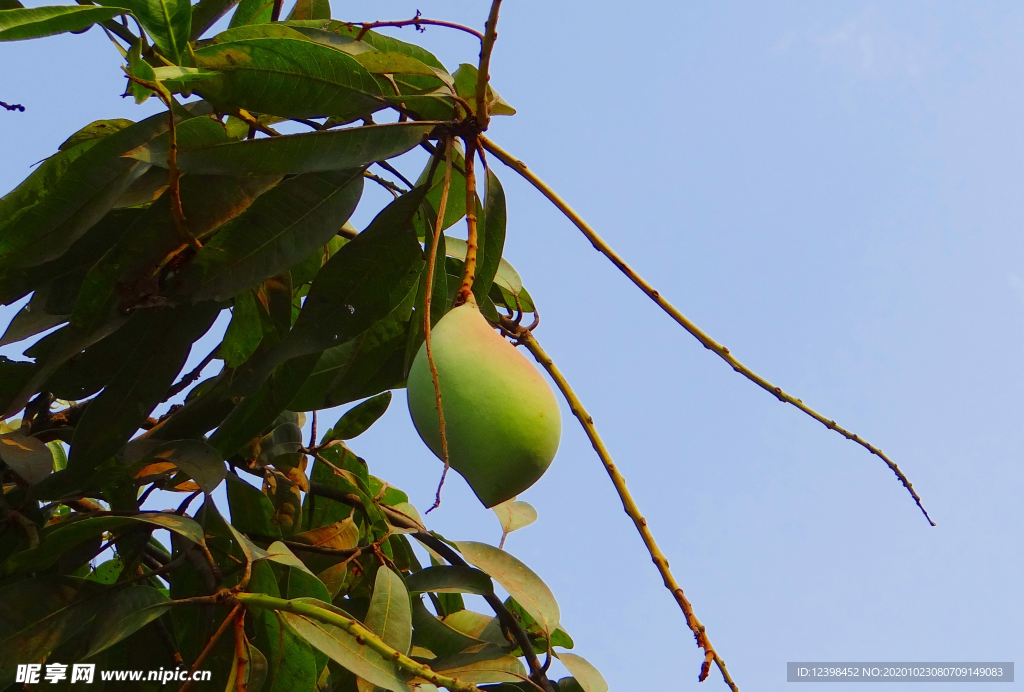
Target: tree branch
pixel 483 72
pixel 417 22
pixel 13 106
pixel 472 240
pixel 708 343
pixel 629 505
pixel 360 632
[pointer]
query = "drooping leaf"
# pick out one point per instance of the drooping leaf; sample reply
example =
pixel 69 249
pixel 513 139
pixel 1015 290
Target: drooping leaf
pixel 80 197
pixel 37 615
pixel 127 275
pixel 515 515
pixel 198 460
pixel 168 22
pixel 588 677
pixel 390 614
pixel 251 511
pixel 19 24
pixel 290 660
pixel 430 633
pixel 302 153
pixel 277 231
pixel 517 579
pixel 490 262
pixel 501 668
pixel 359 418
pixel 244 332
pixel 142 382
pixel 465 85
pixel 124 612
pixel 27 456
pixel 345 650
pixel 449 579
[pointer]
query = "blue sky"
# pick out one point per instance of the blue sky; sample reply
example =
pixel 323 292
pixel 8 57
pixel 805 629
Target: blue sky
pixel 833 191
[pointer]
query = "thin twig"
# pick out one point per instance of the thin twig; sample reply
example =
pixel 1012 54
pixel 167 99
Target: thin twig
pixel 483 76
pixel 13 106
pixel 395 172
pixel 275 14
pixel 526 338
pixel 472 241
pixel 689 326
pixel 427 299
pixel 417 22
pixel 385 183
pixel 169 567
pixel 183 507
pixel 192 376
pixel 255 124
pixel 312 431
pixel 209 647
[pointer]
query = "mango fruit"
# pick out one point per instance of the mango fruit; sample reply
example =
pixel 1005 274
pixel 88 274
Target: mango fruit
pixel 502 421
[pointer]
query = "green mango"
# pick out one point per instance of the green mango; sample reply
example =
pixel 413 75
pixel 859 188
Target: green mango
pixel 501 418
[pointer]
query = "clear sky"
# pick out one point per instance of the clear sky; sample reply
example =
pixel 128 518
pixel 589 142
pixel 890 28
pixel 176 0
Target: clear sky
pixel 832 190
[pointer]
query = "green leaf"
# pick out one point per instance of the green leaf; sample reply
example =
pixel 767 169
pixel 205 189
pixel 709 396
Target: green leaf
pixel 517 579
pixel 432 634
pixel 346 651
pixel 280 229
pixel 586 674
pixel 28 457
pixel 37 615
pixel 391 62
pixel 205 14
pixel 290 660
pixel 91 184
pixel 287 78
pixel 363 282
pixel 515 515
pixel 251 511
pixel 19 24
pixel 455 207
pixel 449 579
pixel 244 332
pixel 168 22
pixel 490 263
pixel 58 539
pixel 142 70
pixel 499 669
pixel 302 153
pixel 359 418
pixel 107 572
pixel 311 9
pixel 198 460
pixel 125 612
pixel 505 276
pixel 390 614
pixel 142 382
pixel 32 319
pixel 252 12
pixel 128 275
pixel 465 86
pixel 97 129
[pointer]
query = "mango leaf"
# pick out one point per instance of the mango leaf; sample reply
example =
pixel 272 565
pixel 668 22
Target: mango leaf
pixel 311 9
pixel 126 276
pixel 363 282
pixel 86 191
pixel 360 417
pixel 56 540
pixel 124 612
pixel 37 615
pixel 346 651
pixel 205 14
pixel 586 674
pixel 505 275
pixel 252 12
pixel 278 552
pixel 390 614
pixel 465 86
pixel 450 579
pixel 290 660
pixel 499 669
pixel 244 332
pixel 277 231
pixel 251 511
pixel 168 22
pixel 32 319
pixel 28 457
pixel 455 207
pixel 514 515
pixel 517 579
pixel 198 460
pixel 302 153
pixel 112 418
pixel 430 633
pixel 97 129
pixel 20 24
pixel 141 70
pixel 287 78
pixel 490 262
pixel 391 62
